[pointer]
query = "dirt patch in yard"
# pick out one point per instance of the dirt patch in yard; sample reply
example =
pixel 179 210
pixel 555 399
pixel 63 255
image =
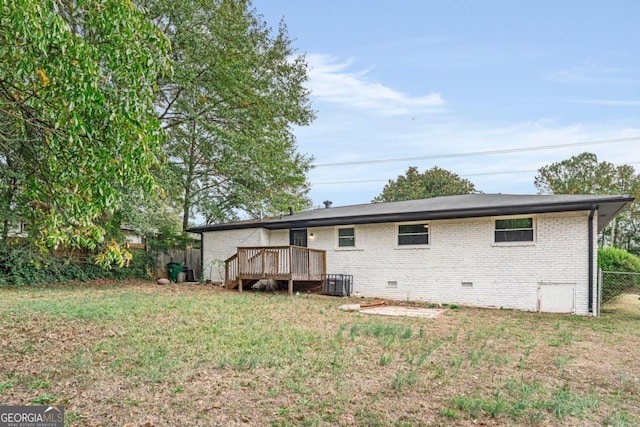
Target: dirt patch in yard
pixel 403 311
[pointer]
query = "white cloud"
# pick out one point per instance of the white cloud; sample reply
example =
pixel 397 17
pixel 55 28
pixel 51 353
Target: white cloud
pixel 360 120
pixel 609 102
pixel 331 81
pixel 509 172
pixel 589 73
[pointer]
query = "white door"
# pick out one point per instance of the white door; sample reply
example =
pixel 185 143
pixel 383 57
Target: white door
pixel 557 297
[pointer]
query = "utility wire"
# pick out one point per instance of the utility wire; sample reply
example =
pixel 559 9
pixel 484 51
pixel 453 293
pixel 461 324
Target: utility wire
pixel 386 180
pixel 480 153
pixel 364 181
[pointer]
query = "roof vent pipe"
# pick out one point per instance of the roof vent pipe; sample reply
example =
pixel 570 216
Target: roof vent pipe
pixel 327 204
pixel 290 210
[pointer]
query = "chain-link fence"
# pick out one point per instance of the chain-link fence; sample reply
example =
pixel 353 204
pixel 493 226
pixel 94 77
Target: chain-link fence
pixel 619 291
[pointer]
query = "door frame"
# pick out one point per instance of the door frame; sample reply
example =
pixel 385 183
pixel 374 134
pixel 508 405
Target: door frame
pixel 298 231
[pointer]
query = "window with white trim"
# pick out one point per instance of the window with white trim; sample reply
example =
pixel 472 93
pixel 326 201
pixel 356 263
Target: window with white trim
pixel 347 237
pixel 413 234
pixel 514 230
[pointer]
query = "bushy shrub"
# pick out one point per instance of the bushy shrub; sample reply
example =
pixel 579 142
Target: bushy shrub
pixel 618 260
pixel 18 266
pixel 23 266
pixel 612 259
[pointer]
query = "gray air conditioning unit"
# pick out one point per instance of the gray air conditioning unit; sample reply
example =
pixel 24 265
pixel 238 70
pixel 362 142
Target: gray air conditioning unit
pixel 340 285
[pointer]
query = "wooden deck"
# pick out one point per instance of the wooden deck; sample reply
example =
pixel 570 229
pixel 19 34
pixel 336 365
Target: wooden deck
pixel 290 263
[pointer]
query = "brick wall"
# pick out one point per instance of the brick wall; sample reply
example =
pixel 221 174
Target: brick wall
pixel 220 245
pixel 460 265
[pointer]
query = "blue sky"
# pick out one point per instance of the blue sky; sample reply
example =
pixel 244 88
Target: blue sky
pixel 413 79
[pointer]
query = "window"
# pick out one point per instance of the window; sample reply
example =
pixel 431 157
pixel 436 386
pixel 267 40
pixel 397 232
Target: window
pixel 346 237
pixel 413 234
pixel 514 230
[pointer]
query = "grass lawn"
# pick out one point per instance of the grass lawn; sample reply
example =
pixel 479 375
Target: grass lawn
pixel 138 354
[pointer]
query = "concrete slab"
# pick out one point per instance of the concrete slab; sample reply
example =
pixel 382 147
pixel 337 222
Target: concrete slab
pixel 350 307
pixel 402 311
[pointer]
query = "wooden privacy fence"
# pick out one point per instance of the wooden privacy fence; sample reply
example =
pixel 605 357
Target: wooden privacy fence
pixel 188 257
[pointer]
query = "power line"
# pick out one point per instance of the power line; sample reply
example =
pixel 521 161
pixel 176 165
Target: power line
pixel 366 181
pixel 386 180
pixel 480 153
pixel 500 173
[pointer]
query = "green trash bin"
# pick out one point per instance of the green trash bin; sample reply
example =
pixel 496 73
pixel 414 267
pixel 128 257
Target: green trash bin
pixel 173 268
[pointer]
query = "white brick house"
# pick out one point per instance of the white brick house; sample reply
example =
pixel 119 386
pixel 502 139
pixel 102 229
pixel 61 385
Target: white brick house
pixel 527 252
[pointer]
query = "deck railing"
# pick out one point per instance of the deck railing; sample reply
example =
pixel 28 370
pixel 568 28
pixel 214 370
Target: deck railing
pixel 231 270
pixel 276 262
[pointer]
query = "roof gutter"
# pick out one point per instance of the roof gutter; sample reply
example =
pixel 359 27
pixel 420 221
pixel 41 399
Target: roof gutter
pixel 591 256
pixel 427 215
pixel 404 216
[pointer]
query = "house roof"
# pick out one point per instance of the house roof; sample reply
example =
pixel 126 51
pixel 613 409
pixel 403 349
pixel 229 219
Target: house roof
pixel 447 207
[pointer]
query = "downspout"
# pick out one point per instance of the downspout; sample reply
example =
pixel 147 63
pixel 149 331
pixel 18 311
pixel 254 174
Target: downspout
pixel 591 212
pixel 202 257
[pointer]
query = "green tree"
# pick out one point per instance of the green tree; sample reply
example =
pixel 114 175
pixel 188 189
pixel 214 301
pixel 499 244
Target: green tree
pixel 77 121
pixel 229 107
pixel 158 221
pixel 581 174
pixel 584 174
pixel 414 185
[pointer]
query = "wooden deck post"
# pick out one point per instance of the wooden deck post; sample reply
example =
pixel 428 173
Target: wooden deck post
pixel 291 268
pixel 324 263
pixel 239 285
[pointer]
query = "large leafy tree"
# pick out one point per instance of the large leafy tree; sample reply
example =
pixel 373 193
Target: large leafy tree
pixel 581 174
pixel 584 174
pixel 229 107
pixel 78 126
pixel 414 185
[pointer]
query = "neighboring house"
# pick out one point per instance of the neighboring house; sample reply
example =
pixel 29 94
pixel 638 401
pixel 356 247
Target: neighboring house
pixel 136 240
pixel 132 236
pixel 18 230
pixel 527 252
